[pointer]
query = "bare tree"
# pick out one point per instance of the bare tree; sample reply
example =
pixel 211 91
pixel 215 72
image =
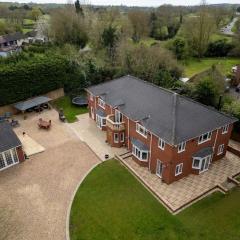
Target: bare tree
pixel 199 29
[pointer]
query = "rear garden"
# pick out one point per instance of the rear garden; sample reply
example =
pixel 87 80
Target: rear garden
pixel 112 204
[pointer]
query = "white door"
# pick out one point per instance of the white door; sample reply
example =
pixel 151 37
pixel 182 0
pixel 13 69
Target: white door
pixel 92 113
pixel 159 169
pixel 205 163
pixel 99 121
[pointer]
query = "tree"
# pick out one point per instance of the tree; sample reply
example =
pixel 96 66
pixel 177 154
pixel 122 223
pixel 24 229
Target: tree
pixel 198 31
pixel 68 27
pixel 219 48
pixel 78 7
pixel 207 91
pixel 179 47
pixel 36 13
pixel 109 40
pixel 139 21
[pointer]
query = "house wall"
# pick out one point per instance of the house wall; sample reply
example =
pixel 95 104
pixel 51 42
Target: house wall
pixel 169 156
pixel 20 154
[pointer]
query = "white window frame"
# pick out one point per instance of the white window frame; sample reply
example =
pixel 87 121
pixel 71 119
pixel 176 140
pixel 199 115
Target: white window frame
pixel 5 160
pixel 225 129
pixel 116 140
pixel 181 147
pixel 135 148
pixel 198 159
pixel 103 121
pixel 118 116
pixel 178 169
pixel 161 143
pixel 138 127
pixel 101 103
pixel 209 136
pixel 221 149
pixel 122 137
pixel 200 163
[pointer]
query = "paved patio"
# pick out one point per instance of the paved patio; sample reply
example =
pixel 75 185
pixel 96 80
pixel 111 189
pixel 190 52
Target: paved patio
pixel 35 195
pixel 30 146
pixel 184 192
pixel 87 131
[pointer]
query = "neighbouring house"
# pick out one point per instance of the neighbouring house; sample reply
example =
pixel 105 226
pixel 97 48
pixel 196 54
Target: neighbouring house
pixel 11 151
pixel 11 43
pixel 171 135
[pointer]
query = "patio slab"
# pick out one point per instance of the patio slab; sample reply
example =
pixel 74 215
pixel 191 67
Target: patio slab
pixel 87 131
pixel 30 146
pixel 190 189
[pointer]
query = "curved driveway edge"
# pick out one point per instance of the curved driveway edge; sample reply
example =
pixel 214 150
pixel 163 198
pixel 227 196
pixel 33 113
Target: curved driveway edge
pixel 72 199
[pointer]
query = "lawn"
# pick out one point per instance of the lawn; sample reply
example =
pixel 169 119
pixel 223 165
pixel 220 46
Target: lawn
pixel 70 111
pixel 194 66
pixel 112 204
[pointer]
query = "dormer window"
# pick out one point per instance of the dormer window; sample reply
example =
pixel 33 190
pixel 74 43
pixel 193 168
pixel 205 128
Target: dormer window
pixel 205 137
pixel 225 129
pixel 141 130
pixel 101 103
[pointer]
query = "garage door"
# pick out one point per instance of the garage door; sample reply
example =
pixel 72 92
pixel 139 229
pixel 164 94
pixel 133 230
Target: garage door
pixel 8 158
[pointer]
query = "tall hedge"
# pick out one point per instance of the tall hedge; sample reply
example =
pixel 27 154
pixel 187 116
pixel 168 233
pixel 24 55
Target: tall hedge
pixel 28 78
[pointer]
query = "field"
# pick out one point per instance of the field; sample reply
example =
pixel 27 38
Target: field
pixel 194 66
pixel 112 204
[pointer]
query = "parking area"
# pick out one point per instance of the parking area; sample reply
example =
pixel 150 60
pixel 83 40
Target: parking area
pixel 35 195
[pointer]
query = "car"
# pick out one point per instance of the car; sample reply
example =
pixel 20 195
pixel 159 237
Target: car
pixel 238 88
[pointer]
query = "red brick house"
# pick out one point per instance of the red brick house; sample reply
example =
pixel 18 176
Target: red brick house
pixel 11 152
pixel 173 136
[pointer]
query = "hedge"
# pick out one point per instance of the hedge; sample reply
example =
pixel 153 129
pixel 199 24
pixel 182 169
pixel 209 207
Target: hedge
pixel 33 77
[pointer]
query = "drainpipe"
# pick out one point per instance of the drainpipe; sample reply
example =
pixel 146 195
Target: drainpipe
pixel 150 154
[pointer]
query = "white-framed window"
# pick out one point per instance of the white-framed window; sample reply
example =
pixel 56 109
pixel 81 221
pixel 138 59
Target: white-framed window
pixel 196 163
pixel 181 147
pixel 178 169
pixel 141 130
pixel 91 97
pixel 161 144
pixel 220 149
pixel 202 164
pixel 142 155
pixel 118 116
pixel 204 137
pixel 101 103
pixel 8 158
pixel 116 137
pixel 122 136
pixel 225 129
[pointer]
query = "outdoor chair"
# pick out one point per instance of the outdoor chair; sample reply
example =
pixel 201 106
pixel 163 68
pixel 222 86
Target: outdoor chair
pixel 14 123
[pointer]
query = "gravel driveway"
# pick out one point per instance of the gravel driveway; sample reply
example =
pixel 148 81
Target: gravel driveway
pixel 35 195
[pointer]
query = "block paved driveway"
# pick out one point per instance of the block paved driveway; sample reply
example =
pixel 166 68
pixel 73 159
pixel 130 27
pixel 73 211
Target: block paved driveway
pixel 35 195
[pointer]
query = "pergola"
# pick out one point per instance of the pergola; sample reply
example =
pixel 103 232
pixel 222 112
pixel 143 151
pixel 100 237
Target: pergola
pixel 31 103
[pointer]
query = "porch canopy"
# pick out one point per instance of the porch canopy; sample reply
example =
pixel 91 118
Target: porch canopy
pixel 34 102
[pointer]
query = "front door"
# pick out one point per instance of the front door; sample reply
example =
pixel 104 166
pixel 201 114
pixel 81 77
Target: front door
pixel 159 169
pixel 205 163
pixel 99 121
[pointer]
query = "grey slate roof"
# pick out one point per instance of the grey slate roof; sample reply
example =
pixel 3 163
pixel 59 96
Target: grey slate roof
pixel 170 116
pixel 8 138
pixel 139 144
pixel 100 112
pixel 11 37
pixel 204 152
pixel 22 106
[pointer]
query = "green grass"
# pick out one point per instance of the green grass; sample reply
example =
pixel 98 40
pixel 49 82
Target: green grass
pixel 112 204
pixel 28 21
pixel 70 111
pixel 194 66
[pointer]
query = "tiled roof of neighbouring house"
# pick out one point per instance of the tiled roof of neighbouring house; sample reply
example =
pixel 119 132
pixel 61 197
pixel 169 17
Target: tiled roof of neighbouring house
pixel 8 138
pixel 11 37
pixel 172 117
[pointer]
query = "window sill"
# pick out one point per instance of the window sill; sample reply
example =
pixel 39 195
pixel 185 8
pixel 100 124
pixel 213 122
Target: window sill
pixel 140 159
pixel 199 143
pixel 178 174
pixel 145 136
